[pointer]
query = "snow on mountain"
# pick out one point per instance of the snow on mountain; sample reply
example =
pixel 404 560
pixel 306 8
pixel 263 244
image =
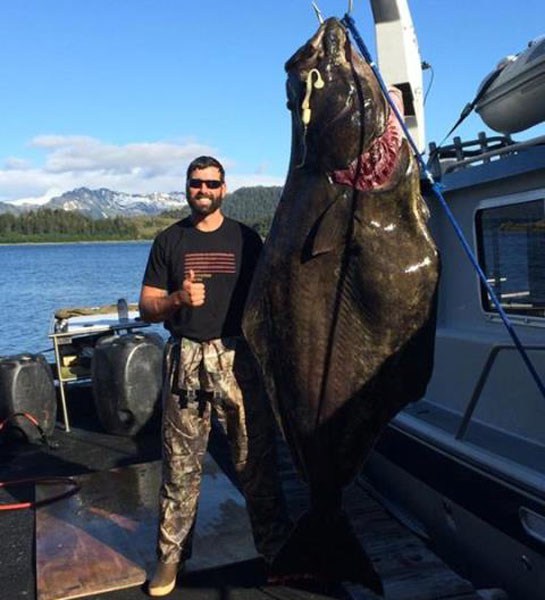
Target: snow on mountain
pixel 104 203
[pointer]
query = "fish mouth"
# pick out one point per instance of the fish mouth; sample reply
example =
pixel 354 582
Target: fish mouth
pixel 331 41
pixel 329 45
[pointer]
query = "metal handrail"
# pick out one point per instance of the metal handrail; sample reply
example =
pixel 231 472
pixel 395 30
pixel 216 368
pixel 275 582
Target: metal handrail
pixel 476 395
pixel 515 147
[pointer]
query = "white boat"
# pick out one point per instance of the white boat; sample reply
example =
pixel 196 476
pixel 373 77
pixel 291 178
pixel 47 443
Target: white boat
pixel 512 95
pixel 465 465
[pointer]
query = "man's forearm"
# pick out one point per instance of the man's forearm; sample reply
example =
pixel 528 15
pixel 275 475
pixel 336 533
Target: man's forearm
pixel 160 308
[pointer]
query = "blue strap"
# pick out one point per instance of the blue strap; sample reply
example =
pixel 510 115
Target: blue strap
pixel 349 23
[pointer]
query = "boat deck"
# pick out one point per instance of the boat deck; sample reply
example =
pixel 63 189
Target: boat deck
pixel 409 570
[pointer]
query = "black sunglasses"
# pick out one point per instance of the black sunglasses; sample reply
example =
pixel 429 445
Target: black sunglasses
pixel 211 184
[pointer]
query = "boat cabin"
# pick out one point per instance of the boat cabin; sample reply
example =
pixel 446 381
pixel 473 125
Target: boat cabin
pixel 465 465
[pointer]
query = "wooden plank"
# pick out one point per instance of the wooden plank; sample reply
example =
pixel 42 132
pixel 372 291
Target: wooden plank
pixel 408 568
pixel 103 538
pixel 84 544
pixel 72 563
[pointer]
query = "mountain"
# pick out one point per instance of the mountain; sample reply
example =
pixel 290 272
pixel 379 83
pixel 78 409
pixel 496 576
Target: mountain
pixel 12 209
pixel 104 203
pixel 247 204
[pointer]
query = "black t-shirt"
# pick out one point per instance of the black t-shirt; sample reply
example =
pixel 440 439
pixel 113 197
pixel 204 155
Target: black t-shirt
pixel 223 259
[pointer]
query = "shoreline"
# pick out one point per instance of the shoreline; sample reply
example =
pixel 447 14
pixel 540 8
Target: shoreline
pixel 77 242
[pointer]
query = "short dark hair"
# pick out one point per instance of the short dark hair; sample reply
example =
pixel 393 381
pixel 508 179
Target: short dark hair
pixel 203 162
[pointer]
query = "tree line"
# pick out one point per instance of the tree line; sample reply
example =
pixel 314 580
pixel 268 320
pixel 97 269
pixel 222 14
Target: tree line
pixel 46 224
pixel 254 206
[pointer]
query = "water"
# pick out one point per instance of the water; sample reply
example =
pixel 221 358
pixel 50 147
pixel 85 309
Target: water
pixel 38 279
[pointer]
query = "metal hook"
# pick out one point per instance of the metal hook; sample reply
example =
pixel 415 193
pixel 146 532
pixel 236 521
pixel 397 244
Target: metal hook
pixel 318 12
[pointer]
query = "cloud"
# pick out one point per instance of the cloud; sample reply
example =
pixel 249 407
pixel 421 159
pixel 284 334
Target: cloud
pixel 75 161
pixel 15 164
pixel 37 200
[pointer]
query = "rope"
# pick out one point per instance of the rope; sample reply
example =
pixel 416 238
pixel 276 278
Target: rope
pixel 349 23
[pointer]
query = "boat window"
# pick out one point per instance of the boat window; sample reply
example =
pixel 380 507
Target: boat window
pixel 511 246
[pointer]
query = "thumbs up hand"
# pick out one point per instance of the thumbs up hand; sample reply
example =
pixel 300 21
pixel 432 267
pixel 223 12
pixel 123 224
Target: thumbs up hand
pixel 193 290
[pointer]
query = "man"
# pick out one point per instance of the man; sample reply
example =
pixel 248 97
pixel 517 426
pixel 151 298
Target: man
pixel 196 281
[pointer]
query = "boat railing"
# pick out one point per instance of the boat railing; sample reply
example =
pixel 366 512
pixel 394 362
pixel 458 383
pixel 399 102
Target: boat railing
pixel 461 154
pixel 479 386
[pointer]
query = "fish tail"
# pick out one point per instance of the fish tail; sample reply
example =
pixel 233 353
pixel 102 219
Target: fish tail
pixel 324 548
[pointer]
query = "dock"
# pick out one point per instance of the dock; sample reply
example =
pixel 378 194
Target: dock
pixel 408 568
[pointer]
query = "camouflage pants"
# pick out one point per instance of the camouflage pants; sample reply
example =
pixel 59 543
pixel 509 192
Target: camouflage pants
pixel 216 378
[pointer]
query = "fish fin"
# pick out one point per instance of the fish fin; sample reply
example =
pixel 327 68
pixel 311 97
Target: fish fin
pixel 330 230
pixel 324 548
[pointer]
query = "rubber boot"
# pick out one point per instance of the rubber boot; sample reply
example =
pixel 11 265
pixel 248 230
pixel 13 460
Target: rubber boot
pixel 164 580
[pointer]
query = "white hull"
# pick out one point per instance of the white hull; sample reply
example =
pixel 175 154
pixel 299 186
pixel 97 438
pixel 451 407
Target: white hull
pixel 514 101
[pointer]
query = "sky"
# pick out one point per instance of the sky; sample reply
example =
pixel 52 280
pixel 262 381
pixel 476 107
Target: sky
pixel 122 94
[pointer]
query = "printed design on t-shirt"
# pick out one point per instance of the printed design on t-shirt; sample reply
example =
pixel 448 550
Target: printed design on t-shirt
pixel 206 264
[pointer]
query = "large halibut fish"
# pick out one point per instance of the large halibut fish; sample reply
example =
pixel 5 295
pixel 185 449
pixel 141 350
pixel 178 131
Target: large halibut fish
pixel 341 312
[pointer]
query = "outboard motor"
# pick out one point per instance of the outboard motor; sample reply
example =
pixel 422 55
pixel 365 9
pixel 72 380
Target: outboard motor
pixel 27 388
pixel 126 373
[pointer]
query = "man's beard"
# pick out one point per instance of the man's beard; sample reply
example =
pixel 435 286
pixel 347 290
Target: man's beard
pixel 204 209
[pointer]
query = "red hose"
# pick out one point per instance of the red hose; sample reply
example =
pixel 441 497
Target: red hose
pixel 75 486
